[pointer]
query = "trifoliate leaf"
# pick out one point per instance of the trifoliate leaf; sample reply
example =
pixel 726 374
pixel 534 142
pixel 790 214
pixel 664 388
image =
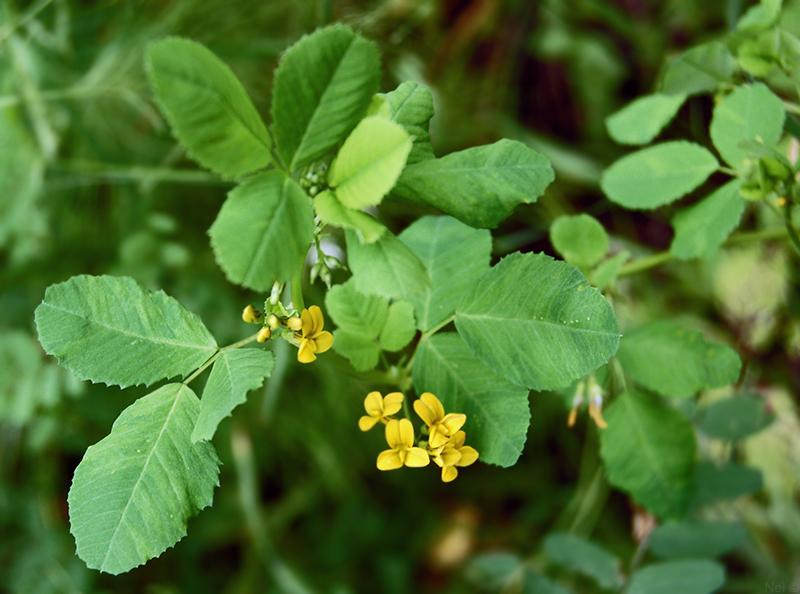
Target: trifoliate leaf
pixel 356 313
pixel 411 106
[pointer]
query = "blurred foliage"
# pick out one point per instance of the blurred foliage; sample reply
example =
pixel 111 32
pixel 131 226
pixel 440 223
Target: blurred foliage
pixel 92 182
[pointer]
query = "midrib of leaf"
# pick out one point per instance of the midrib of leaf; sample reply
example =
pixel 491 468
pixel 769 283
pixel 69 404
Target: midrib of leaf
pixel 228 107
pixel 669 176
pixel 436 171
pixel 529 322
pixel 274 223
pixel 459 382
pixel 323 97
pixel 143 472
pixel 128 333
pixel 652 458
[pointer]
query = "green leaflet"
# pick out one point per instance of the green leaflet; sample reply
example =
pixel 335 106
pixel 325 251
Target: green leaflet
pixel 134 490
pixel 720 483
pixel 577 553
pixel 369 162
pixel 699 69
pixel 111 330
pixel 607 271
pixel 454 255
pixel 702 228
pixel 696 539
pixel 333 212
pixel 581 240
pixel 362 352
pixel 657 175
pixel 360 314
pixel 480 186
pixel 323 85
pixel 670 577
pixel 263 231
pixel 497 411
pixel 751 112
pixel 411 106
pixel 400 327
pixel 537 322
pixel 640 121
pixel 674 361
pixel 234 374
pixel 733 419
pixel 648 451
pixel 760 16
pixel 386 267
pixel 207 107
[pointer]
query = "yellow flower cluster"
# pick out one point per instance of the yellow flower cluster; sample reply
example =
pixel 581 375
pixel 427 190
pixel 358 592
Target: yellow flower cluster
pixel 306 330
pixel 445 443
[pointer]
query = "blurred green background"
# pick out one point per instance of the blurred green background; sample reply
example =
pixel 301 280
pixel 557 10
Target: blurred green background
pixel 92 182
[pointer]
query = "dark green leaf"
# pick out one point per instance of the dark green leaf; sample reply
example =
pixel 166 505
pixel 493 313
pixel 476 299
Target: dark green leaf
pixel 411 106
pixel 648 451
pixel 733 419
pixel 582 555
pixel 322 88
pixel 263 231
pixel 497 410
pixel 208 108
pixel 696 539
pixel 671 577
pixel 537 322
pixel 362 352
pixel 111 330
pixel 719 483
pixel 386 267
pixel 479 186
pixel 699 69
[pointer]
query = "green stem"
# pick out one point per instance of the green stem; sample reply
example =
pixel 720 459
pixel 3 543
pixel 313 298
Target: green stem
pixel 215 356
pixel 730 171
pixel 138 173
pixel 297 292
pixel 791 107
pixel 787 214
pixel 646 263
pixel 32 12
pixel 436 328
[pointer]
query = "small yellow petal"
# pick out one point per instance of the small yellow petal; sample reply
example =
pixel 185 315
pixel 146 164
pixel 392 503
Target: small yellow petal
pixel 424 413
pixel 457 440
pixel 437 437
pixel 294 323
pixel 573 416
pixel 434 404
pixel 308 323
pixel 450 457
pixel 317 321
pixel 597 414
pixel 468 456
pixel 373 404
pixel 392 403
pixel 416 457
pixel 449 474
pixel 393 436
pixel 324 341
pixel 453 422
pixel 264 334
pixel 406 432
pixel 389 460
pixel 306 352
pixel 251 314
pixel 366 422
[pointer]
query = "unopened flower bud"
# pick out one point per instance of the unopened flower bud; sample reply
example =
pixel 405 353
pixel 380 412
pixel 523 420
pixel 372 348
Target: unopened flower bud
pixel 251 315
pixel 295 324
pixel 264 334
pixel 273 321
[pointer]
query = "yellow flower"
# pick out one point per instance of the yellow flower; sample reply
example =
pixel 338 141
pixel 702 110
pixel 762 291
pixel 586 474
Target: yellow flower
pixel 251 315
pixel 379 408
pixel 313 338
pixel 454 453
pixel 400 437
pixel 264 334
pixel 440 426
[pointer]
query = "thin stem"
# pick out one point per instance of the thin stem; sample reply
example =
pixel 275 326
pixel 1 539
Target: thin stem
pixel 646 263
pixel 215 356
pixel 730 171
pixel 297 292
pixel 36 9
pixel 436 328
pixel 138 173
pixel 791 107
pixel 787 213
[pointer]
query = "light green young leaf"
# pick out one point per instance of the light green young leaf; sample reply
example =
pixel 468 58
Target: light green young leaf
pixel 751 112
pixel 263 231
pixel 733 419
pixel 234 374
pixel 400 327
pixel 760 16
pixel 579 554
pixel 411 106
pixel 640 121
pixel 362 352
pixel 702 228
pixel 537 322
pixel 386 267
pixel 648 451
pixel 657 175
pixel 686 577
pixel 356 313
pixel 208 108
pixel 111 330
pixel 719 483
pixel 454 255
pixel 333 212
pixel 369 162
pixel 607 271
pixel 760 54
pixel 698 70
pixel 675 361
pixel 581 240
pixel 323 86
pixel 497 411
pixel 696 539
pixel 134 490
pixel 480 186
